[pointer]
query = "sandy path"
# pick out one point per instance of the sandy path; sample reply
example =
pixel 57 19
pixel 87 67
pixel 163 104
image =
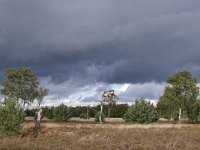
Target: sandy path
pixel 116 125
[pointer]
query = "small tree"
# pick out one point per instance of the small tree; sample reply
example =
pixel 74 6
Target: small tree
pixel 48 112
pixel 110 98
pixel 11 117
pixel 61 113
pixel 97 117
pixel 83 116
pixel 166 108
pixel 20 84
pixel 141 112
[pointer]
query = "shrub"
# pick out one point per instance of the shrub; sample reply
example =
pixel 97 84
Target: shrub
pixel 193 111
pixel 84 116
pixel 98 115
pixel 11 117
pixel 141 112
pixel 198 118
pixel 48 112
pixel 61 113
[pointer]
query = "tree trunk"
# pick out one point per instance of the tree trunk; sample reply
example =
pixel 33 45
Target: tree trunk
pixel 24 105
pixel 100 120
pixel 87 113
pixel 108 111
pixel 179 115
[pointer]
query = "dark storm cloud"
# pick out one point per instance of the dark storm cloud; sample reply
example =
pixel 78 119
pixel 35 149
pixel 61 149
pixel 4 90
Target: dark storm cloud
pixel 111 41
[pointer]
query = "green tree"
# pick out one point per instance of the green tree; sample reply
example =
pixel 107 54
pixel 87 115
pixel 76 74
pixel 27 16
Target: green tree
pixel 20 84
pixel 11 117
pixel 118 110
pixel 181 93
pixel 193 111
pixel 61 113
pixel 48 112
pixel 165 106
pixel 30 112
pixel 83 116
pixel 97 117
pixel 141 112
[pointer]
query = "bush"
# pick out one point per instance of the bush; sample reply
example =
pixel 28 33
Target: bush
pixel 141 112
pixel 48 112
pixel 11 117
pixel 61 113
pixel 84 116
pixel 193 111
pixel 198 118
pixel 98 115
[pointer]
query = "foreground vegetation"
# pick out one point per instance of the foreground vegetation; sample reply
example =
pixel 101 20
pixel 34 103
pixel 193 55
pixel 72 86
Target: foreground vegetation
pixel 76 136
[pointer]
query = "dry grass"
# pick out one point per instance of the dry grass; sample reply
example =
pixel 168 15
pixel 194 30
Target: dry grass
pixel 81 135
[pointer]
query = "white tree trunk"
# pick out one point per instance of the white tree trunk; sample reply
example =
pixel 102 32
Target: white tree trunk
pixel 108 113
pixel 179 115
pixel 100 120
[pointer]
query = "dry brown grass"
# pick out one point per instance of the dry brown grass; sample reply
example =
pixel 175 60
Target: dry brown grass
pixel 81 135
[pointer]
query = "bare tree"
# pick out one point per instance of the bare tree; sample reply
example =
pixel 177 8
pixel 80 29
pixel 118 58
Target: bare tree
pixel 108 97
pixel 42 92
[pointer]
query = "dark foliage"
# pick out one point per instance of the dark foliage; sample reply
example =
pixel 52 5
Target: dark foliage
pixel 11 117
pixel 141 112
pixel 61 113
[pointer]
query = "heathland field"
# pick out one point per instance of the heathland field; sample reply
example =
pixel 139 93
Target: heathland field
pixel 80 134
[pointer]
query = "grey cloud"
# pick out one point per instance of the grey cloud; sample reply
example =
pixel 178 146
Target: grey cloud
pixel 150 90
pixel 112 41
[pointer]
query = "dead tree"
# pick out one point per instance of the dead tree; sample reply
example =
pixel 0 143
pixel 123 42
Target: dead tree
pixel 107 97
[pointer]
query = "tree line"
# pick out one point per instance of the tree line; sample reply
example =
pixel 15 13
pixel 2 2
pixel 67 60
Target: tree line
pixel 116 111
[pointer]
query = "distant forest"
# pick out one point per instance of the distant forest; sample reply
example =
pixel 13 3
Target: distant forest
pixel 116 111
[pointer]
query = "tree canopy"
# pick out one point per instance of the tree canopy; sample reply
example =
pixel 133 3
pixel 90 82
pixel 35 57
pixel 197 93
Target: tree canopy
pixel 141 112
pixel 20 84
pixel 42 92
pixel 181 93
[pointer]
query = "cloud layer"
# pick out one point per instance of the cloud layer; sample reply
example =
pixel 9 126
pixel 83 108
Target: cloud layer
pixel 75 42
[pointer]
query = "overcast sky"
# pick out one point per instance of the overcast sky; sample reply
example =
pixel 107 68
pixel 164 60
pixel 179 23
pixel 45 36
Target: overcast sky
pixel 79 48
